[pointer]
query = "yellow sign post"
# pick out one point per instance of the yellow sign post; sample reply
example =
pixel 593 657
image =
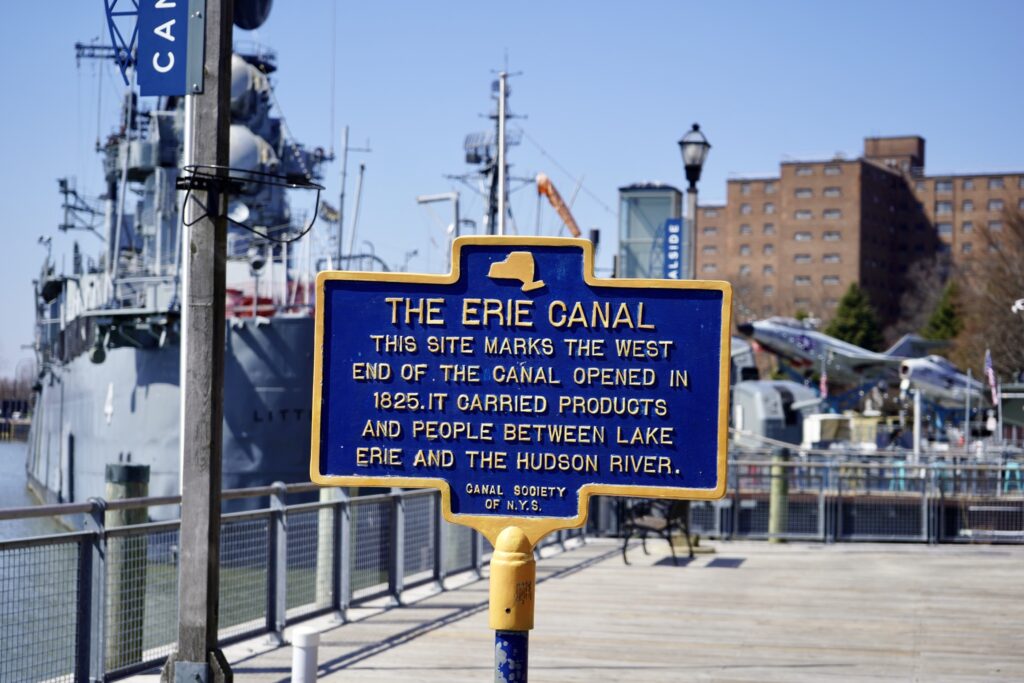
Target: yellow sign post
pixel 519 385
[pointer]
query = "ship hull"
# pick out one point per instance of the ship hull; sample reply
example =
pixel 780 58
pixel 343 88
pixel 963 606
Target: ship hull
pixel 128 409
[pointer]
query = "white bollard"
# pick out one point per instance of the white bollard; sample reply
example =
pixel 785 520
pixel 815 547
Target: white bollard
pixel 305 642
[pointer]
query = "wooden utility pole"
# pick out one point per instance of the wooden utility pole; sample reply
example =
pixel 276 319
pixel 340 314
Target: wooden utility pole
pixel 202 327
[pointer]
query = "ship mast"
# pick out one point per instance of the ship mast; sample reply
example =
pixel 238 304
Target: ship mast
pixel 502 170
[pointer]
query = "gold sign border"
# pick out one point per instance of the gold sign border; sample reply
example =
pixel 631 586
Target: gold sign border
pixel 534 527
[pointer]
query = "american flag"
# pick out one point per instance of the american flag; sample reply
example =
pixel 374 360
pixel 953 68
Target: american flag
pixel 991 374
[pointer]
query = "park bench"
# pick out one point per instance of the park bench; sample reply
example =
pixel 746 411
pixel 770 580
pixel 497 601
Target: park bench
pixel 661 517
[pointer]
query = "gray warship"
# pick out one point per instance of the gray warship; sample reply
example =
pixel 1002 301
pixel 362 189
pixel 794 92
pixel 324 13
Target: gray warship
pixel 107 334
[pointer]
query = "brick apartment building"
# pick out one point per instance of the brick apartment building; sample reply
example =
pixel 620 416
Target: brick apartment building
pixel 795 242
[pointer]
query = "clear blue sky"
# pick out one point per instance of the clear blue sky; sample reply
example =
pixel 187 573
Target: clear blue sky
pixel 608 89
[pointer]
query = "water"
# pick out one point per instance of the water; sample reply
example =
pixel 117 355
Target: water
pixel 14 493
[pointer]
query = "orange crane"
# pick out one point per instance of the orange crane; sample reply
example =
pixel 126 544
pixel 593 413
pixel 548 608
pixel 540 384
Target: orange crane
pixel 546 187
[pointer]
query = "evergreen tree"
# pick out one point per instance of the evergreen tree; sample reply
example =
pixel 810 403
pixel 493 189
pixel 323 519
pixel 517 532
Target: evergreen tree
pixel 856 321
pixel 945 321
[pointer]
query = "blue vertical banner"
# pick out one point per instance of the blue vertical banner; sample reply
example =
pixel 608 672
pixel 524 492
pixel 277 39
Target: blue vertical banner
pixel 163 47
pixel 673 241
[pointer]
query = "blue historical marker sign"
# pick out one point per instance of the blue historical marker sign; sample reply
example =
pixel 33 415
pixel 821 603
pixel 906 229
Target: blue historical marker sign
pixel 520 384
pixel 163 47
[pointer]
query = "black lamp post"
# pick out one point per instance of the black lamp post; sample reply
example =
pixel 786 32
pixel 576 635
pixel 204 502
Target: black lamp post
pixel 694 148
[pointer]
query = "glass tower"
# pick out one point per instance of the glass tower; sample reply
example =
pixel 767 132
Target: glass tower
pixel 643 211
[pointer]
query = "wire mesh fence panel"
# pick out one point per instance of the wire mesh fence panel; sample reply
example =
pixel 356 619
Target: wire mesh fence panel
pixel 459 548
pixel 751 501
pixel 705 518
pixel 980 505
pixel 889 504
pixel 244 568
pixel 141 598
pixel 418 553
pixel 310 560
pixel 40 588
pixel 371 546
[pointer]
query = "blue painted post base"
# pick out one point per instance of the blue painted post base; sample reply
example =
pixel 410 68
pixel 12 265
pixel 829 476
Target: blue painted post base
pixel 511 655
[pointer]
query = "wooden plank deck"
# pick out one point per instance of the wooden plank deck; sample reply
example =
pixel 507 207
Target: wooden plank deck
pixel 750 612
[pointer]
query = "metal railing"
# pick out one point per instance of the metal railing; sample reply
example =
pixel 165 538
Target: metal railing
pixel 887 500
pixel 101 603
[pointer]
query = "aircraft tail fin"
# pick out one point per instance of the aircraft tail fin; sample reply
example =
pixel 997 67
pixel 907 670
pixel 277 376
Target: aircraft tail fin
pixel 915 346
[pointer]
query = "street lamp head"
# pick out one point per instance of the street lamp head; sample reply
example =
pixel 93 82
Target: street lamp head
pixel 694 148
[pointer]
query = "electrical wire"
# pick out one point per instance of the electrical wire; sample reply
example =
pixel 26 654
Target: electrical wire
pixel 566 171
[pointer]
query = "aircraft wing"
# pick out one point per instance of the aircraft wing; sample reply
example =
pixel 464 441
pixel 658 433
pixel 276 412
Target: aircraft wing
pixel 915 346
pixel 867 363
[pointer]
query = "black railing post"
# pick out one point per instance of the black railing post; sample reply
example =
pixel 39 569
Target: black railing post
pixel 277 572
pixel 440 542
pixel 343 564
pixel 396 570
pixel 91 629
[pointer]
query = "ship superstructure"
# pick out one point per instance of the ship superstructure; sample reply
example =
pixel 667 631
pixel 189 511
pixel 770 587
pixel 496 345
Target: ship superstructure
pixel 108 336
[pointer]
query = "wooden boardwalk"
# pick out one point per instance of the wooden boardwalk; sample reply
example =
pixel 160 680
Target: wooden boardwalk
pixel 749 612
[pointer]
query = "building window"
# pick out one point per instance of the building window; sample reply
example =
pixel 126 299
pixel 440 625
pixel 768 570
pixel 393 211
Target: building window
pixel 804 170
pixel 945 228
pixel 769 228
pixel 745 229
pixel 1020 204
pixel 1020 182
pixel 744 269
pixel 968 206
pixel 833 192
pixel 768 249
pixel 803 193
pixel 769 207
pixel 744 250
pixel 709 230
pixel 995 205
pixel 710 213
pixel 967 226
pixel 943 185
pixel 803 237
pixel 921 186
pixel 968 184
pixel 802 280
pixel 709 250
pixel 832 236
pixel 995 184
pixel 966 247
pixel 993 247
pixel 744 188
pixel 833 170
pixel 768 290
pixel 803 215
pixel 832 303
pixel 745 209
pixel 995 226
pixel 769 188
pixel 768 270
pixel 830 280
pixel 943 207
pixel 802 258
pixel 709 267
pixel 832 214
pixel 831 258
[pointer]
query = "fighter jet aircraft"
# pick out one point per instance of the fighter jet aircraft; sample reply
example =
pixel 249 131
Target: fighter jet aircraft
pixel 806 348
pixel 942 382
